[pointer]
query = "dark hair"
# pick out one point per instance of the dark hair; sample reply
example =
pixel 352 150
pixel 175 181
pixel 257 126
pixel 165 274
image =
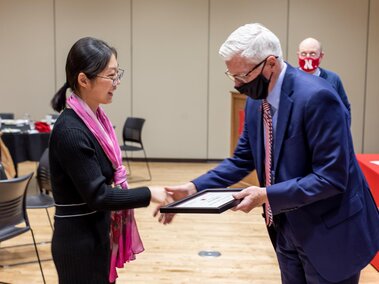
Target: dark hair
pixel 88 55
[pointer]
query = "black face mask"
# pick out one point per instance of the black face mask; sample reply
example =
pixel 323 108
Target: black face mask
pixel 256 89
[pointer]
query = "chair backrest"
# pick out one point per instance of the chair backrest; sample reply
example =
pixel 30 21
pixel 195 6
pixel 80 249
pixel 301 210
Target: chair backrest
pixel 132 131
pixel 6 115
pixel 43 172
pixel 12 201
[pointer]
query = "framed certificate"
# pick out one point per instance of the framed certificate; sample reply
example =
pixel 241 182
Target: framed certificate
pixel 206 201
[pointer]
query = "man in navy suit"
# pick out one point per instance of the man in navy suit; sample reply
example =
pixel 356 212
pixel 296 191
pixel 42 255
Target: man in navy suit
pixel 310 55
pixel 326 225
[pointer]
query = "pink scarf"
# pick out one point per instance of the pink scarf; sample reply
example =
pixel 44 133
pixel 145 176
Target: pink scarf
pixel 125 240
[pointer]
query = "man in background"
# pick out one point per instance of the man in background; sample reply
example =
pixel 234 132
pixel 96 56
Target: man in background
pixel 310 55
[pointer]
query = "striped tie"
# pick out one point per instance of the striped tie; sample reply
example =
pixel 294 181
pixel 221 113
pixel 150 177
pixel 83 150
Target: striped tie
pixel 267 122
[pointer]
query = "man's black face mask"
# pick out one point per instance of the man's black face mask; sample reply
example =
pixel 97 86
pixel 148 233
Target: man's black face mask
pixel 257 89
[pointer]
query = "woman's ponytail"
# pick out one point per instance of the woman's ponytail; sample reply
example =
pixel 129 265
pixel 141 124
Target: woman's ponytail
pixel 58 102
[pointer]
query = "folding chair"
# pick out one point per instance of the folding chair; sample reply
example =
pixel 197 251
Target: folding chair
pixel 13 213
pixel 132 139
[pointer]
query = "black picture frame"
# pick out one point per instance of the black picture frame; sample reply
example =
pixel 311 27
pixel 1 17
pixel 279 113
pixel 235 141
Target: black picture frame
pixel 175 207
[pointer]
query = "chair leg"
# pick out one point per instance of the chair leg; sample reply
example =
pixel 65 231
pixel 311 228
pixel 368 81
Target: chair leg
pixel 147 164
pixel 24 262
pixel 127 161
pixel 34 243
pixel 39 260
pixel 48 216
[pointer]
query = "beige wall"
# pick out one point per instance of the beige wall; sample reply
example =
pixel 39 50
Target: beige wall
pixel 26 56
pixel 175 78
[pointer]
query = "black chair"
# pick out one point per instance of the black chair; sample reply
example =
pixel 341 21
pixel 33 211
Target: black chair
pixel 132 139
pixel 6 115
pixel 42 200
pixel 14 218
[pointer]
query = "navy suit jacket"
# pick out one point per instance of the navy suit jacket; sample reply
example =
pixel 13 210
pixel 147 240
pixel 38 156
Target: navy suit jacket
pixel 318 184
pixel 336 82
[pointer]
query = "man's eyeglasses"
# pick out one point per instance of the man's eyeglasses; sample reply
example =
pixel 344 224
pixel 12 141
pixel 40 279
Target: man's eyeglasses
pixel 312 54
pixel 117 78
pixel 243 77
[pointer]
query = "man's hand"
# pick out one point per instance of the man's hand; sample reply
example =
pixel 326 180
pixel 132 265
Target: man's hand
pixel 179 192
pixel 252 197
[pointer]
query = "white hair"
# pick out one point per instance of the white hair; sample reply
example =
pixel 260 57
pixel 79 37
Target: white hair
pixel 253 41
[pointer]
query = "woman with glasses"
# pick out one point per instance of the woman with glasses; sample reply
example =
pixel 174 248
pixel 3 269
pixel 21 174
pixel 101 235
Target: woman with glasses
pixel 95 230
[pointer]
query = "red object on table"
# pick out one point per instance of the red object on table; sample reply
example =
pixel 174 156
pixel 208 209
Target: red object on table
pixel 371 172
pixel 42 127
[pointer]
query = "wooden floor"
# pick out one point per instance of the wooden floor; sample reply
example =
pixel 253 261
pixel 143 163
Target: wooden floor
pixel 172 251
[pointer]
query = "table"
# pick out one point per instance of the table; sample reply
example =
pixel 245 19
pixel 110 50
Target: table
pixel 371 172
pixel 25 146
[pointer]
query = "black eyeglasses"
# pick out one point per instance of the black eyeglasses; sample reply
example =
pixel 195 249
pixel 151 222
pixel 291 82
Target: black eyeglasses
pixel 116 79
pixel 243 77
pixel 312 54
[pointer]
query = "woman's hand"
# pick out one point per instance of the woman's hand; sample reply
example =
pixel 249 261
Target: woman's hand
pixel 158 194
pixel 174 193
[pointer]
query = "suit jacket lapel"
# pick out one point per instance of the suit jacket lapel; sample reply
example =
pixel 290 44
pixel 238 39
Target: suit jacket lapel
pixel 259 155
pixel 285 107
pixel 255 124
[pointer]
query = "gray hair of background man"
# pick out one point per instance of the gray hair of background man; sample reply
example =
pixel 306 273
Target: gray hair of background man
pixel 252 41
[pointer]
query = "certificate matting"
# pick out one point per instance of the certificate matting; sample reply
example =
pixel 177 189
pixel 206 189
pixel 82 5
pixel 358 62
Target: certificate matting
pixel 205 201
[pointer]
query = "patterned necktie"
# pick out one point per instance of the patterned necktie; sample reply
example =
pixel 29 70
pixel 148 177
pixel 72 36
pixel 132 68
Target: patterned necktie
pixel 267 122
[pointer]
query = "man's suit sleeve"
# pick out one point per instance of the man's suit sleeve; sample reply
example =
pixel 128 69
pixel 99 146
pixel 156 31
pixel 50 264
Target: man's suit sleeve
pixel 342 93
